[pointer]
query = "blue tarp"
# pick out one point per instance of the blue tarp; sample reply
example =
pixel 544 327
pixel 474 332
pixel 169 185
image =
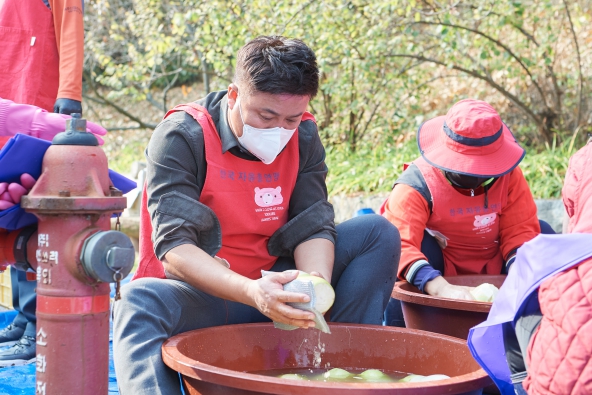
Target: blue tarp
pixel 20 380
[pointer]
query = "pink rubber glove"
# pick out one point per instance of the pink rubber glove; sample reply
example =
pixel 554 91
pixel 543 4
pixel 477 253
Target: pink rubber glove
pixel 11 194
pixel 34 121
pixel 6 197
pixel 5 205
pixel 16 191
pixel 6 200
pixel 27 181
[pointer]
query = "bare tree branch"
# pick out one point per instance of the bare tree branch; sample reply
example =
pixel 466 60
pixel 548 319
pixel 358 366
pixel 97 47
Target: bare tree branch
pixel 550 73
pixel 580 79
pixel 126 128
pixel 168 87
pixel 363 132
pixel 152 101
pixel 102 100
pixel 304 6
pixel 402 101
pixel 514 25
pixel 92 109
pixel 498 43
pixel 538 121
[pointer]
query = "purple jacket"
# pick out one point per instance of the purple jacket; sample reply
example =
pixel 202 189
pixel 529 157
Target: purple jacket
pixel 536 260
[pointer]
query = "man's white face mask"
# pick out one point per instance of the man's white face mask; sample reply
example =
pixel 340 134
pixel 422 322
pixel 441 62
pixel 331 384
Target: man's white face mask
pixel 265 144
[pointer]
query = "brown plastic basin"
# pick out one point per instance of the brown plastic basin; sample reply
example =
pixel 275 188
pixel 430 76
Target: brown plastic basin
pixel 441 315
pixel 215 360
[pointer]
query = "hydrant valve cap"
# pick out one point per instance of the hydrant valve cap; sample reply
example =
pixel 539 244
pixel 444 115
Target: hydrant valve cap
pixel 108 256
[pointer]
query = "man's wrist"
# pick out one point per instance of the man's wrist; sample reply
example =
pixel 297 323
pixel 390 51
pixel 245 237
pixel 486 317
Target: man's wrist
pixel 247 293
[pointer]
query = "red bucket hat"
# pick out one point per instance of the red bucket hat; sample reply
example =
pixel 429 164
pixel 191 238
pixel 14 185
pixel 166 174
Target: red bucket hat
pixel 471 139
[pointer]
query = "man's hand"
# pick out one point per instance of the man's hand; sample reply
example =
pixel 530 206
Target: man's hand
pixel 67 106
pixel 269 297
pixel 443 289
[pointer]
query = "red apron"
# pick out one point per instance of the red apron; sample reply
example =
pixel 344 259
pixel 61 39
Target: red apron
pixel 29 61
pixel 472 229
pixel 250 199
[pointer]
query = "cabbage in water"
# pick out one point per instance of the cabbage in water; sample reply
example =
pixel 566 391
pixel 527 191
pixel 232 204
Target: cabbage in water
pixel 485 292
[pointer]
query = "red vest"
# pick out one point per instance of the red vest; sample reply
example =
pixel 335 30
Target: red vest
pixel 472 230
pixel 250 199
pixel 29 61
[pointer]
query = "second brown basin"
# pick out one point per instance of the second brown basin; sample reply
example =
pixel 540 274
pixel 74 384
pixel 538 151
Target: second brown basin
pixel 440 315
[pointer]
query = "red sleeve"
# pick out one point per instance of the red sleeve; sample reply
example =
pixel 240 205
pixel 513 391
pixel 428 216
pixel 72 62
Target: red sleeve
pixel 409 212
pixel 69 30
pixel 518 221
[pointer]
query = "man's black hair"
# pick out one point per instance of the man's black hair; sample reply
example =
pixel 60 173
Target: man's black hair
pixel 277 65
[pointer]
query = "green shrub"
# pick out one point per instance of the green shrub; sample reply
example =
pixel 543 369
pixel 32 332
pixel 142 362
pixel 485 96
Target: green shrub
pixel 545 170
pixel 370 169
pixel 373 169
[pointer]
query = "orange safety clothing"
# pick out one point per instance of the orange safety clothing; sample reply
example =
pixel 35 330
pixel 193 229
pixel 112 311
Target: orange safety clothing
pixel 69 32
pixel 42 51
pixel 408 209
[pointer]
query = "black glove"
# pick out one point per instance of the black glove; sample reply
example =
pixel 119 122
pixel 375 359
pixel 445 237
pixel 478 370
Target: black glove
pixel 67 106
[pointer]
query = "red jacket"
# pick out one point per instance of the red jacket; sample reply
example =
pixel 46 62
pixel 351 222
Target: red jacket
pixel 560 353
pixel 577 191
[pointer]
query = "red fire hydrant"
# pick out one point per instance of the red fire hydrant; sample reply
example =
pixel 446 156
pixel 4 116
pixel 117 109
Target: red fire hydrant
pixel 77 256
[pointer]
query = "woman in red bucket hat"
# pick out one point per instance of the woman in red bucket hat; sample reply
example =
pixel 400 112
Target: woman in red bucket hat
pixel 464 206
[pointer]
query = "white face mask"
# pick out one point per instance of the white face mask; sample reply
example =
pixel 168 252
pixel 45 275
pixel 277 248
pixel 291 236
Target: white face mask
pixel 265 144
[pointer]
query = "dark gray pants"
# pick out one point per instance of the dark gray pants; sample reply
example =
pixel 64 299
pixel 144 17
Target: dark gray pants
pixel 516 343
pixel 151 310
pixel 24 301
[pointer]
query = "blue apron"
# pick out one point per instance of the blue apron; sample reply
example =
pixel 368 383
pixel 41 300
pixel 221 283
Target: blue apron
pixel 24 154
pixel 541 258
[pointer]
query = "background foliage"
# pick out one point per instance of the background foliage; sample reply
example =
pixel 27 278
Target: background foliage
pixel 386 67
